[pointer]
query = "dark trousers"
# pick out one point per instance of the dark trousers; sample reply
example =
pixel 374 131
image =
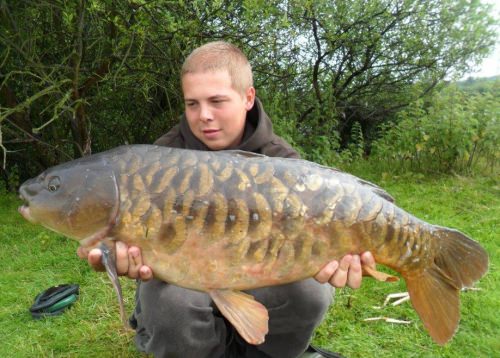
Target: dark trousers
pixel 176 322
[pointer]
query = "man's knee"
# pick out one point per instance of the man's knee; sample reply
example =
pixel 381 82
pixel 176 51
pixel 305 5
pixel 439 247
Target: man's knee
pixel 310 300
pixel 303 302
pixel 174 320
pixel 164 305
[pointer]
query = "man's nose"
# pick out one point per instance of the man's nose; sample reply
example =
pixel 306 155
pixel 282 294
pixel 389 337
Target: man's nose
pixel 206 114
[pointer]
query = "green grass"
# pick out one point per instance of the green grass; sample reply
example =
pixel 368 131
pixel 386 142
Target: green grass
pixel 34 259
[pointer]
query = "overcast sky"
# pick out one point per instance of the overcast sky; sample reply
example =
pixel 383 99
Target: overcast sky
pixel 491 65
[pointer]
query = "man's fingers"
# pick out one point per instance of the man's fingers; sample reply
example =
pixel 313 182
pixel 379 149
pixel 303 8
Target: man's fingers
pixel 354 275
pixel 82 252
pixel 326 272
pixel 122 262
pixel 128 261
pixel 145 273
pixel 134 262
pixel 339 278
pixel 94 259
pixel 136 267
pixel 367 259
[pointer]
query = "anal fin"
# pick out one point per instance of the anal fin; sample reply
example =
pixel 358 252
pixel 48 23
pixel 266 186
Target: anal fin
pixel 249 317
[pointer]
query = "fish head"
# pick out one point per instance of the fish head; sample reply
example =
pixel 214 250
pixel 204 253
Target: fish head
pixel 77 199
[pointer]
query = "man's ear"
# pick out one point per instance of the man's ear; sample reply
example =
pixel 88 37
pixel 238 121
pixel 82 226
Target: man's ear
pixel 249 98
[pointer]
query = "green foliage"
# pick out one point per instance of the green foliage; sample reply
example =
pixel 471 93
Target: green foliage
pixel 85 76
pixel 13 177
pixel 357 145
pixel 478 85
pixel 365 58
pixel 451 131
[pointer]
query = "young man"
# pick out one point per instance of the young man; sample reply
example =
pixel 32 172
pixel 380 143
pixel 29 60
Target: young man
pixel 222 112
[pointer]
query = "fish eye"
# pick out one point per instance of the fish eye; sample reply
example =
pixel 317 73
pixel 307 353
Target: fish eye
pixel 53 184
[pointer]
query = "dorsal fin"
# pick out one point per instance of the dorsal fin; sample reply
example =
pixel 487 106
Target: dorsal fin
pixel 373 187
pixel 243 153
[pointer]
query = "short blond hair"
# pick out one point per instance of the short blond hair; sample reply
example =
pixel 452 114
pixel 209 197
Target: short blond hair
pixel 217 56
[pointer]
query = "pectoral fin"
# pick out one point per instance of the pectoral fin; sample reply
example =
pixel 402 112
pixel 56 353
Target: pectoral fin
pixel 377 275
pixel 108 259
pixel 249 317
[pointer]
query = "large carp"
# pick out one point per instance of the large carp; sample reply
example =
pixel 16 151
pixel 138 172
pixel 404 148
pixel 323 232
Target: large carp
pixel 222 222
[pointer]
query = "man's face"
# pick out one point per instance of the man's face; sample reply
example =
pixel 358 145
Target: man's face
pixel 216 112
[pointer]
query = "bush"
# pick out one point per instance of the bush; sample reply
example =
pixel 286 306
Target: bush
pixel 453 132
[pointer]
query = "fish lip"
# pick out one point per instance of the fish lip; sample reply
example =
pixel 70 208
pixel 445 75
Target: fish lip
pixel 24 210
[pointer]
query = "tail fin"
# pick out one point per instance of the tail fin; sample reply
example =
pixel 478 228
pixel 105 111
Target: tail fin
pixel 434 292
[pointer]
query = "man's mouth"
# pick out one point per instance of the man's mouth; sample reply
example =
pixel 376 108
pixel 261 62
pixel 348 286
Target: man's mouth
pixel 210 130
pixel 209 133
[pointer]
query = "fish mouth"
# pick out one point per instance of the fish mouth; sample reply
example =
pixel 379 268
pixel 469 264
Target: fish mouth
pixel 24 209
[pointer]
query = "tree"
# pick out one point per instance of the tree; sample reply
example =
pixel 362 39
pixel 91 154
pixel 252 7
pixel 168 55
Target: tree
pixel 93 74
pixel 87 74
pixel 362 61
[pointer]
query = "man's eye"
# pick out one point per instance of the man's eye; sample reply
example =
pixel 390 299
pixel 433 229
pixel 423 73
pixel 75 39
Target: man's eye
pixel 53 184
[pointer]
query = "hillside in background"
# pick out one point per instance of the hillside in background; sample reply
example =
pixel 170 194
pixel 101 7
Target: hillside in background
pixel 480 84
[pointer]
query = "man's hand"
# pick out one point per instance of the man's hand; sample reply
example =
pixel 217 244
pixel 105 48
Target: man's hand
pixel 347 272
pixel 128 261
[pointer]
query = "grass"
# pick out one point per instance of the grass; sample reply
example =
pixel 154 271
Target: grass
pixel 34 259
